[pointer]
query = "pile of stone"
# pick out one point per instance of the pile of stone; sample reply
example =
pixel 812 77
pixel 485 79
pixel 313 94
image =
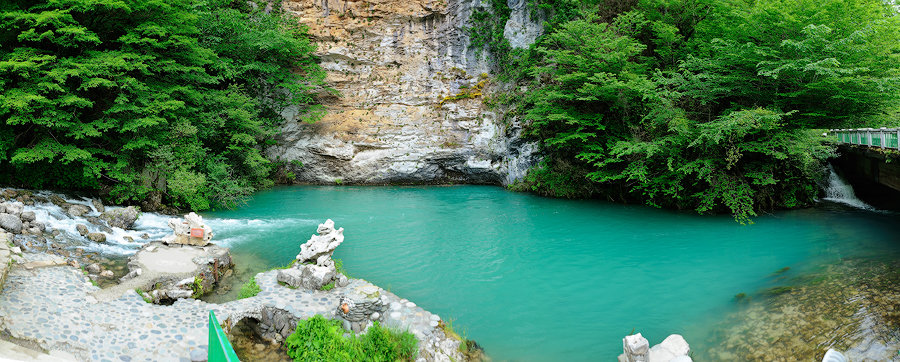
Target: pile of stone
pixel 360 307
pixel 190 231
pixel 637 349
pixel 314 267
pixel 7 252
pixel 14 219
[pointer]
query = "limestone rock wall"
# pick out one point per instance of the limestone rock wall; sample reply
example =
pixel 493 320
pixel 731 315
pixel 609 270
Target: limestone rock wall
pixel 399 65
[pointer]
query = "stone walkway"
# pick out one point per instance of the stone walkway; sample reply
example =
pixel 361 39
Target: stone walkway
pixel 53 307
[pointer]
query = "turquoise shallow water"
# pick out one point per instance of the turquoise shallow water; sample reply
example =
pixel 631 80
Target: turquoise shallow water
pixel 537 279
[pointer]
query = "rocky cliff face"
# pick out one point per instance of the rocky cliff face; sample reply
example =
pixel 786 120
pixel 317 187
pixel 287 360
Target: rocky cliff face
pixel 410 109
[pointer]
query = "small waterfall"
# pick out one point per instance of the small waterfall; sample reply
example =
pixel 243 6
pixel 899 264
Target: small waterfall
pixel 840 191
pixel 118 241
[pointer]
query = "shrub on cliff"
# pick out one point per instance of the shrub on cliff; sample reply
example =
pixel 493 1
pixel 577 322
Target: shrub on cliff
pixel 167 99
pixel 320 339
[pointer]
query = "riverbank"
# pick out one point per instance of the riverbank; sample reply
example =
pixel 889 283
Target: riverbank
pixel 54 308
pixel 48 302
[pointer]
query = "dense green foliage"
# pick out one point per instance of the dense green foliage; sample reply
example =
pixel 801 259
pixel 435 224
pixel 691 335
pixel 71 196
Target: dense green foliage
pixel 159 100
pixel 699 104
pixel 320 339
pixel 249 289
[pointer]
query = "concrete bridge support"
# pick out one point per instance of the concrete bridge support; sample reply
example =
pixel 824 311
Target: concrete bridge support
pixel 874 174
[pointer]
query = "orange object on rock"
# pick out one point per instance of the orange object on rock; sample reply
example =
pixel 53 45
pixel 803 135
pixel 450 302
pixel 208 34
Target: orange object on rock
pixel 196 233
pixel 345 308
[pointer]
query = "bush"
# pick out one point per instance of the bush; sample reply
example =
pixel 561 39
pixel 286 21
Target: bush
pixel 250 289
pixel 171 100
pixel 320 339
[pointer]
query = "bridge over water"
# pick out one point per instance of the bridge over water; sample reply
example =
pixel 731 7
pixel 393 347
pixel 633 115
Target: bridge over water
pixel 869 162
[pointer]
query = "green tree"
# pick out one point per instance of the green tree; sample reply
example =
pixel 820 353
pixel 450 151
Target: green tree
pixel 704 105
pixel 147 100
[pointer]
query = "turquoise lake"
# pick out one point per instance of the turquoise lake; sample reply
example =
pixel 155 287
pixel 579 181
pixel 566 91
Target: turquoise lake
pixel 538 279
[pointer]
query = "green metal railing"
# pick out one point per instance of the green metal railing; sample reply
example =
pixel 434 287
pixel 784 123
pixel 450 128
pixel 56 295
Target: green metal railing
pixel 220 349
pixel 871 137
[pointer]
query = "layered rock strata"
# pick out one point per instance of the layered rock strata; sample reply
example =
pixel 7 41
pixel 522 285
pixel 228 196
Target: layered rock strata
pixel 411 97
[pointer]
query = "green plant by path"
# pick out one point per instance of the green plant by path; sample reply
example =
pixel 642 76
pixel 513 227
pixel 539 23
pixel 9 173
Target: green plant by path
pixel 197 287
pixel 141 292
pixel 320 339
pixel 249 289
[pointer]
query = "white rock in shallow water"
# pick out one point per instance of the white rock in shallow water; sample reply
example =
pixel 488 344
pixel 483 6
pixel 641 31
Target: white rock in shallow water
pixel 674 346
pixel 636 348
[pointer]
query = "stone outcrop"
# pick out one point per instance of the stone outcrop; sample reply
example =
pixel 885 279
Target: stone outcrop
pixel 190 231
pixel 314 267
pixel 121 218
pixel 410 108
pixel 672 349
pixel 171 272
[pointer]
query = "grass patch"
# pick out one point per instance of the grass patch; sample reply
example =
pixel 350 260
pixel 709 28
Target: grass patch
pixel 339 267
pixel 140 292
pixel 447 327
pixel 249 289
pixel 197 287
pixel 320 339
pixel 328 286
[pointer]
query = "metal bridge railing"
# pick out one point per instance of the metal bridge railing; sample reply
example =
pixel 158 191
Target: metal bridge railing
pixel 872 137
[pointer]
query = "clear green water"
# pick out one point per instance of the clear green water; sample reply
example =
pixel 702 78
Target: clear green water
pixel 537 279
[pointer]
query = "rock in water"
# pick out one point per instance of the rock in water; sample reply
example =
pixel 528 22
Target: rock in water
pixel 121 218
pixel 190 231
pixel 78 210
pixel 97 237
pixel 314 267
pixel 27 216
pixel 83 230
pixel 13 208
pixel 10 223
pixel 98 205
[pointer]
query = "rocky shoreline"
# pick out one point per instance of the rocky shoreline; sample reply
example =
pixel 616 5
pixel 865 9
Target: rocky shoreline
pixel 50 303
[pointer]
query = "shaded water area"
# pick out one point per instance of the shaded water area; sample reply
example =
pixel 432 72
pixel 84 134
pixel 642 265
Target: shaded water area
pixel 539 279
